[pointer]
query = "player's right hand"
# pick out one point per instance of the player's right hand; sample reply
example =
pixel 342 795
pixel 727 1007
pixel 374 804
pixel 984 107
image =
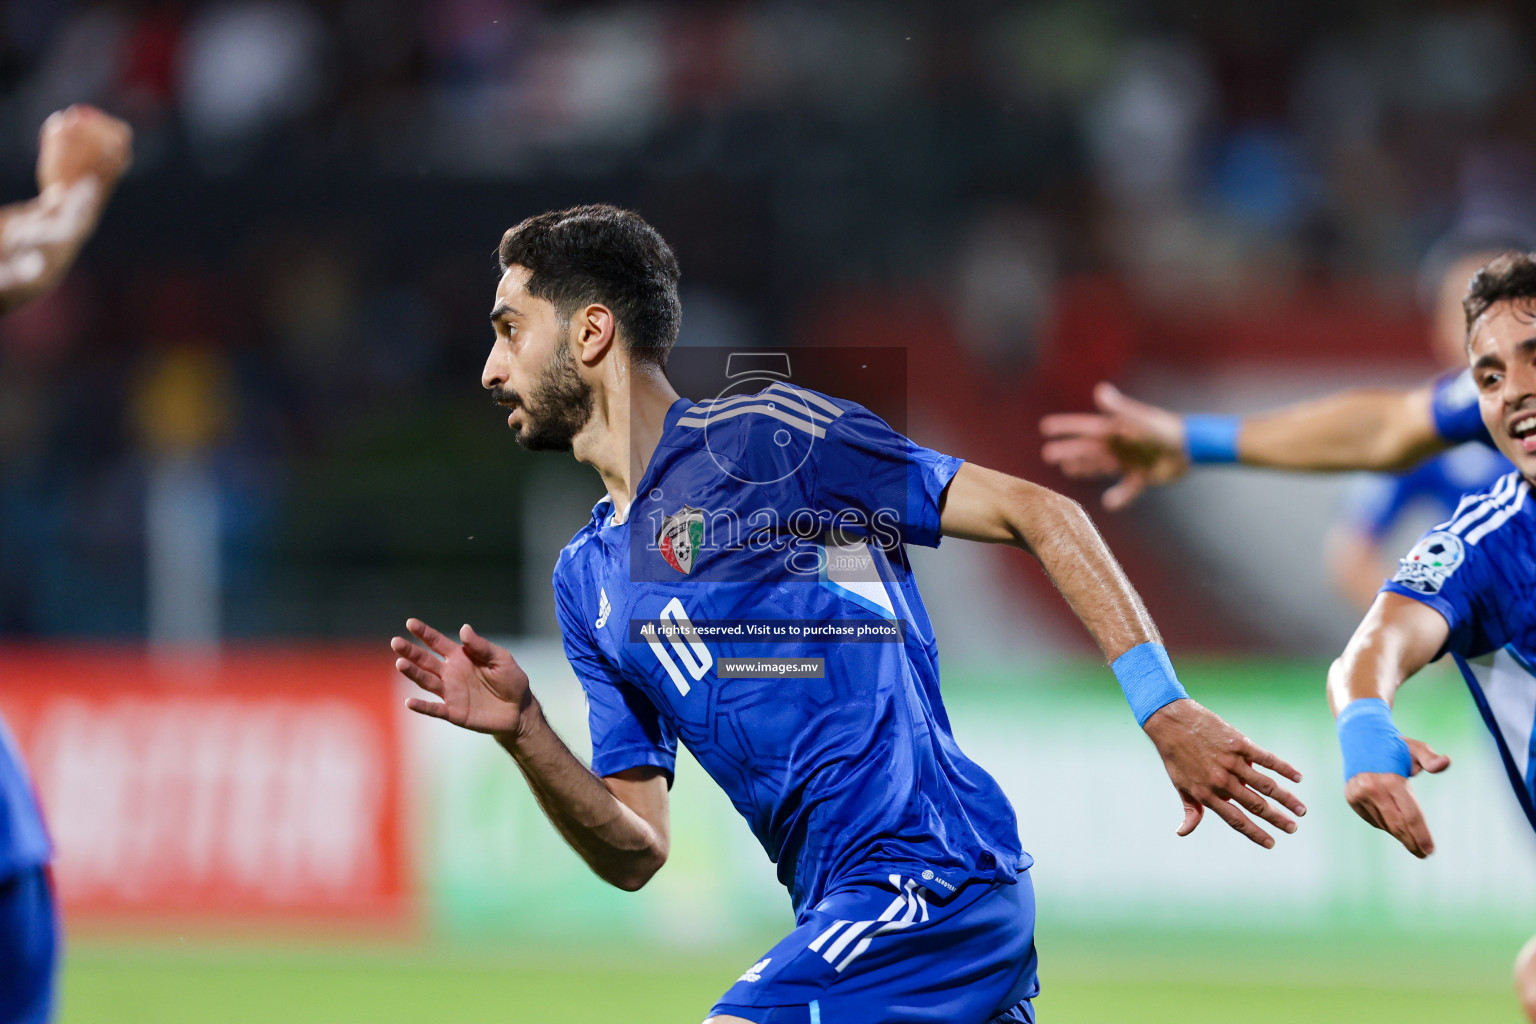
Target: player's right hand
pixel 80 141
pixel 1141 444
pixel 481 686
pixel 1386 799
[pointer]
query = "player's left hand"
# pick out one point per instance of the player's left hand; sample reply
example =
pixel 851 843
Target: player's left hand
pixel 1213 765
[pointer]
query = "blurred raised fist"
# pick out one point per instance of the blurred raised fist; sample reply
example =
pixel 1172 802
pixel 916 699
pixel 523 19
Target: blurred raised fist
pixel 79 141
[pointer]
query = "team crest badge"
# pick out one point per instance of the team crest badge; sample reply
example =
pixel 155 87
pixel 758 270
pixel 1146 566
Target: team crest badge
pixel 681 535
pixel 1431 562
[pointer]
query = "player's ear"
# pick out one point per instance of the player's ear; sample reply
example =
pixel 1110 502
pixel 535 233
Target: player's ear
pixel 593 329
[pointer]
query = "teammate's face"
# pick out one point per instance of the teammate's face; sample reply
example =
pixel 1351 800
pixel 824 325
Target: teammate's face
pixel 531 370
pixel 1503 350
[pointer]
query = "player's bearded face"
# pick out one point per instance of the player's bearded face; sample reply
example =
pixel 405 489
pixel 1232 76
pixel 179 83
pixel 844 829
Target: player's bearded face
pixel 555 407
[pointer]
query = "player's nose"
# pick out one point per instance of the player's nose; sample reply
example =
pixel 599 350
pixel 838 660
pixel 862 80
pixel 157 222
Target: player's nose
pixel 1519 384
pixel 495 372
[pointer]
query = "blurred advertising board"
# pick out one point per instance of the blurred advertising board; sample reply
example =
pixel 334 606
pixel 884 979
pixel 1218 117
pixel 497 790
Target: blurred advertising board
pixel 1093 805
pixel 244 785
pixel 292 786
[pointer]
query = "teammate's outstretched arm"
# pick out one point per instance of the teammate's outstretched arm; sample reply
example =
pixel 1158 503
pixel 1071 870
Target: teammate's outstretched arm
pixel 81 154
pixel 617 824
pixel 1210 763
pixel 1376 429
pixel 1398 637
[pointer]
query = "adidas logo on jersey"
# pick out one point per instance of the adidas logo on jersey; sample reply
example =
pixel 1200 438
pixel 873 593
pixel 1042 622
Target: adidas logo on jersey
pixel 755 972
pixel 603 608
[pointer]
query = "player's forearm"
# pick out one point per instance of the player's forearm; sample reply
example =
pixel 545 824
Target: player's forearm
pixel 1058 532
pixel 619 845
pixel 1364 429
pixel 40 238
pixel 1370 669
pixel 1088 576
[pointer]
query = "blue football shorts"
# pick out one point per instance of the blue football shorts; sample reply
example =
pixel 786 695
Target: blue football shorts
pixel 29 943
pixel 894 952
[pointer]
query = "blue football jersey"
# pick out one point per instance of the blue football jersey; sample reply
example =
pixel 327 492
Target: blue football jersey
pixel 1478 570
pixel 756 604
pixel 1457 417
pixel 23 839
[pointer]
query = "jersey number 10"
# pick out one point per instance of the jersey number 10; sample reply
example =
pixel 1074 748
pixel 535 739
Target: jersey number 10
pixel 684 643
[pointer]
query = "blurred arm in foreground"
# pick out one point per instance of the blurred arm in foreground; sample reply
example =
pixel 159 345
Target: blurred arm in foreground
pixel 82 153
pixel 1376 429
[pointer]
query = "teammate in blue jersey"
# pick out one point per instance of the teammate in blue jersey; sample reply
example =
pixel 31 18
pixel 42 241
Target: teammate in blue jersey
pixel 82 153
pixel 743 588
pixel 1376 429
pixel 1465 589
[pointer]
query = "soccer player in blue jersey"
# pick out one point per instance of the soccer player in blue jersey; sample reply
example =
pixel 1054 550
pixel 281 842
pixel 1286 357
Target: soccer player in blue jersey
pixel 1378 505
pixel 743 588
pixel 82 153
pixel 1465 589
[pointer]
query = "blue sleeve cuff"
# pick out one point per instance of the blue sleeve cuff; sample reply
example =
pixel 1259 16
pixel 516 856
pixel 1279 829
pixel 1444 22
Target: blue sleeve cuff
pixel 1147 677
pixel 1370 741
pixel 1210 438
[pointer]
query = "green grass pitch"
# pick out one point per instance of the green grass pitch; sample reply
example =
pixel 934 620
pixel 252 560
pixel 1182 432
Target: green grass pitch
pixel 1088 980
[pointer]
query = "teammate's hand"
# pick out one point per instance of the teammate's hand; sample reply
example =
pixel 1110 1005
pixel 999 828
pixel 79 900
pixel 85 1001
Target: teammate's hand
pixel 80 141
pixel 1213 765
pixel 481 687
pixel 1140 443
pixel 1386 800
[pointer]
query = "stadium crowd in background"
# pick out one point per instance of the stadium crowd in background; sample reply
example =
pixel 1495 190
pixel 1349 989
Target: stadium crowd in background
pixel 1082 187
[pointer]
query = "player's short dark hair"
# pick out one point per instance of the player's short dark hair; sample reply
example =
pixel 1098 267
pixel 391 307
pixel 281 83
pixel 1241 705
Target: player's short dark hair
pixel 600 253
pixel 1510 277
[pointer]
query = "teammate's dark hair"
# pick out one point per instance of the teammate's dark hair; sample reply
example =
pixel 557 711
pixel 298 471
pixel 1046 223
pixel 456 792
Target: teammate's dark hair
pixel 600 253
pixel 1510 277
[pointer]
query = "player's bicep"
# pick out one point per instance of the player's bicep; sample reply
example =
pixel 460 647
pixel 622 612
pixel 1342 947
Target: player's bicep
pixel 985 505
pixel 1400 428
pixel 1398 636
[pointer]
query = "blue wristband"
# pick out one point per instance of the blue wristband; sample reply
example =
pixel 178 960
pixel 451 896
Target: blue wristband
pixel 1147 677
pixel 1370 741
pixel 1211 438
